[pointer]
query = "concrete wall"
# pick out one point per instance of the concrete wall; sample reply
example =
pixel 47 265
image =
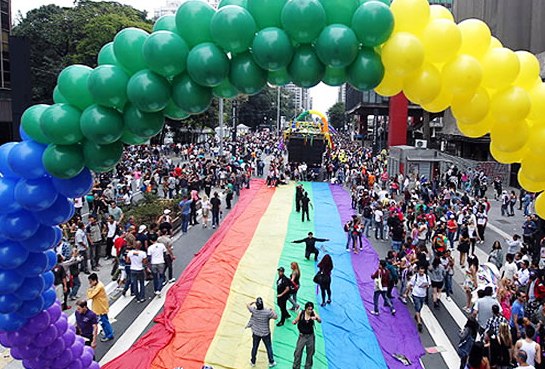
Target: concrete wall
pixel 519 24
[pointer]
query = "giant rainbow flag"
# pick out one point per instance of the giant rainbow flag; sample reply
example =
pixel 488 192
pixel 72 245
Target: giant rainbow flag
pixel 205 313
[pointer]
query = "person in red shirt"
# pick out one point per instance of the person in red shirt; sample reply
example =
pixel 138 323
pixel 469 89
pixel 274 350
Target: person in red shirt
pixel 452 228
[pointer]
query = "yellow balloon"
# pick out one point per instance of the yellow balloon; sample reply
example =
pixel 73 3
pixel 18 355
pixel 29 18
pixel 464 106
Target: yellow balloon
pixel 532 166
pixel 510 104
pixel 494 43
pixel 528 184
pixel 390 85
pixel 507 157
pixel 510 137
pixel 476 37
pixel 462 75
pixel 442 40
pixel 475 130
pixel 539 205
pixel 424 85
pixel 501 67
pixel 537 99
pixel 536 142
pixel 410 15
pixel 473 109
pixel 440 103
pixel 529 69
pixel 440 12
pixel 402 54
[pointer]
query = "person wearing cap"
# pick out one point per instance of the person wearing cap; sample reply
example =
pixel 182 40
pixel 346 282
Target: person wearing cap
pixel 283 284
pixel 165 221
pixel 259 324
pixel 142 236
pixel 310 243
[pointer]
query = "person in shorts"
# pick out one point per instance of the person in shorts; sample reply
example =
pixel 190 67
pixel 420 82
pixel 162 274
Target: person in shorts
pixel 418 288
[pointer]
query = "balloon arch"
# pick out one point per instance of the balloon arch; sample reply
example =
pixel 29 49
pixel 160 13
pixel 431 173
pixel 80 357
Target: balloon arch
pixel 201 53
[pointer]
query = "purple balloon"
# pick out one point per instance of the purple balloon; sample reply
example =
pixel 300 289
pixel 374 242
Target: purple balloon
pixel 4 341
pixel 69 337
pixel 62 325
pixel 77 347
pixel 38 324
pixel 94 365
pixel 55 311
pixel 63 360
pixel 37 363
pixel 76 364
pixel 47 337
pixel 87 356
pixel 30 351
pixel 54 350
pixel 19 338
pixel 78 186
pixel 15 353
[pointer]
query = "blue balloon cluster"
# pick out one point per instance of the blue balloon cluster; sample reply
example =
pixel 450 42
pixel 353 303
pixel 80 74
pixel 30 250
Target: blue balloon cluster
pixel 32 205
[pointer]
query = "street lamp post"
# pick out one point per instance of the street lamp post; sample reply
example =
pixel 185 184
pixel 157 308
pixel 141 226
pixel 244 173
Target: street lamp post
pixel 220 103
pixel 278 110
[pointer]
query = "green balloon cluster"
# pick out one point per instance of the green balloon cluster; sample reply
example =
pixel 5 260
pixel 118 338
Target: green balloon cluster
pixel 195 55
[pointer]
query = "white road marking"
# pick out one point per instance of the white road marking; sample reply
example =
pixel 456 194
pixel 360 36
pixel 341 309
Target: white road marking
pixel 440 338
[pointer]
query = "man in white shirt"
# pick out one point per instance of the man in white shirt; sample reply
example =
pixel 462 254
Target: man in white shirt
pixel 137 259
pixel 522 276
pixel 379 227
pixel 510 268
pixel 156 253
pixel 418 287
pixel 111 229
pixel 82 245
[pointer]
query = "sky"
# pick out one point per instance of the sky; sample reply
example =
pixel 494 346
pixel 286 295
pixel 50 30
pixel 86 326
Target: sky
pixel 323 96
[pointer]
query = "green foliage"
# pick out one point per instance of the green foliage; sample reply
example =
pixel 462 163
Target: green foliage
pixel 151 208
pixel 261 108
pixel 337 115
pixel 63 36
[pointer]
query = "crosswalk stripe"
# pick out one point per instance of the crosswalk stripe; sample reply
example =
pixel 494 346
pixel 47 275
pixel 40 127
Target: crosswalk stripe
pixel 440 338
pixel 455 312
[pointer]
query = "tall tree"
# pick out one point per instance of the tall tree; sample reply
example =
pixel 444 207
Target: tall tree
pixel 261 109
pixel 63 36
pixel 337 115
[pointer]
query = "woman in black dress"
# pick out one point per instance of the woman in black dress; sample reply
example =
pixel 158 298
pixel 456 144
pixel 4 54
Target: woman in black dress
pixel 325 267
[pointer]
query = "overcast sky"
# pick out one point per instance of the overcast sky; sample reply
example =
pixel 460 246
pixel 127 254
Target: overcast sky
pixel 323 96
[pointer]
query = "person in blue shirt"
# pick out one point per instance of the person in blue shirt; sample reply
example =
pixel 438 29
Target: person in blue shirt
pixel 517 313
pixel 185 206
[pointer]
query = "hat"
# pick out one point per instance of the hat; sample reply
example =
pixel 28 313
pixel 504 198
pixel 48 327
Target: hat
pixel 281 269
pixel 142 228
pixel 167 211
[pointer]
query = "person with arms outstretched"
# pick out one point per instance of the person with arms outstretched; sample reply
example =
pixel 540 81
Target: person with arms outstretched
pixel 310 243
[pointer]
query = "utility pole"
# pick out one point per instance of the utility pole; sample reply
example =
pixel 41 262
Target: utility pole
pixel 278 110
pixel 220 103
pixel 235 103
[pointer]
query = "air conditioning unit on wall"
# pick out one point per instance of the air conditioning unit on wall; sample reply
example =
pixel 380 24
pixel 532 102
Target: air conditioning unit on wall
pixel 421 144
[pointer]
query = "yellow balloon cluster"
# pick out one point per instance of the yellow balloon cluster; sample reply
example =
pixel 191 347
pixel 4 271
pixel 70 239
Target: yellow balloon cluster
pixel 491 89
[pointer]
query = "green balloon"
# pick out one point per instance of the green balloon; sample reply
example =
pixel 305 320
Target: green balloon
pixel 72 82
pixel 148 91
pixel 207 64
pixel 166 23
pixel 193 22
pixel 63 161
pixel 373 23
pixel 58 98
pixel 60 123
pixel 128 49
pixel 272 49
pixel 339 11
pixel 305 69
pixel 102 158
pixel 386 2
pixel 106 55
pixel 337 46
pixel 225 90
pixel 143 124
pixel 367 70
pixel 334 76
pixel 189 95
pixel 31 123
pixel 241 3
pixel 266 13
pixel 279 77
pixel 246 75
pixel 172 111
pixel 130 138
pixel 233 28
pixel 303 20
pixel 165 53
pixel 108 86
pixel 101 125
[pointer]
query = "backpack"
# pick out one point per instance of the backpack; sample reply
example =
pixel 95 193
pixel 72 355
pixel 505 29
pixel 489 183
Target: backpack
pixel 393 273
pixel 367 212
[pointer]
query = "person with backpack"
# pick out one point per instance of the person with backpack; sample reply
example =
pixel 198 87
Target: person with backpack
pixel 391 266
pixel 367 216
pixel 468 335
pixel 418 288
pixel 381 277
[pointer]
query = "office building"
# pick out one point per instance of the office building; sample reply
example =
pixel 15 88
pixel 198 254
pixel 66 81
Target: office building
pixel 5 72
pixel 301 98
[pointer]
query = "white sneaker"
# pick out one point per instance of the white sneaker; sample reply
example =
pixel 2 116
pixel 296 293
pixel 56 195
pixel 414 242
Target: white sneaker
pixel 272 364
pixel 448 298
pixel 252 364
pixel 172 280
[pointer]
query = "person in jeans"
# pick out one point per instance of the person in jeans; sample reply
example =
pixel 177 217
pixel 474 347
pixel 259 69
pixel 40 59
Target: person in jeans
pixel 305 324
pixel 259 323
pixel 379 227
pixel 185 207
pixel 166 240
pixel 97 293
pixel 382 279
pixel 137 258
pixel 156 253
pixel 418 287
pixel 216 202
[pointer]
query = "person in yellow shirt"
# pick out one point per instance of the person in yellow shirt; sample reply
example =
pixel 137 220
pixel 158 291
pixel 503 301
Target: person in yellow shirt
pixel 101 305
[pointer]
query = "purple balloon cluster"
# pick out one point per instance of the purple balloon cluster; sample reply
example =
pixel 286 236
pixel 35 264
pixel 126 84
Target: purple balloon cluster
pixel 48 341
pixel 32 205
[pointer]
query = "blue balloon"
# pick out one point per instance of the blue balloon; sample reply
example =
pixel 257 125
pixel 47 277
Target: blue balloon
pixel 9 303
pixel 5 169
pixel 43 240
pixel 12 255
pixel 23 134
pixel 59 212
pixel 51 259
pixel 31 308
pixel 49 297
pixel 58 235
pixel 19 225
pixel 7 195
pixel 25 159
pixel 10 281
pixel 35 194
pixel 78 186
pixel 31 288
pixel 11 322
pixel 37 263
pixel 49 279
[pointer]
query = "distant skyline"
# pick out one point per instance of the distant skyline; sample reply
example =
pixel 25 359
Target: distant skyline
pixel 323 96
